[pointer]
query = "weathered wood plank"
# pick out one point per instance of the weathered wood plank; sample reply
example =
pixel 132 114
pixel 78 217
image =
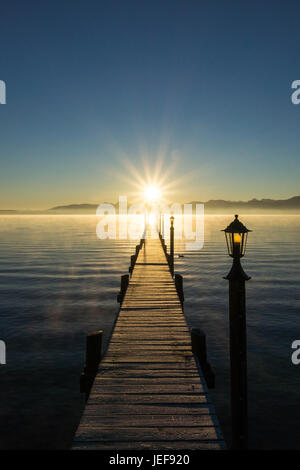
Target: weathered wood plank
pixel 103 398
pixel 145 359
pixel 132 347
pixel 153 355
pixel 152 409
pixel 153 420
pixel 151 445
pixel 151 372
pixel 145 380
pixel 89 432
pixel 142 388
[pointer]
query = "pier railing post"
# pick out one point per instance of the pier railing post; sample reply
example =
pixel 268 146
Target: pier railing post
pixel 171 257
pixel 179 287
pixel 92 360
pixel 199 349
pixel 132 263
pixel 124 285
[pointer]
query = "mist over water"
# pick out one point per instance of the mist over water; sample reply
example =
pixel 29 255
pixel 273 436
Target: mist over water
pixel 59 282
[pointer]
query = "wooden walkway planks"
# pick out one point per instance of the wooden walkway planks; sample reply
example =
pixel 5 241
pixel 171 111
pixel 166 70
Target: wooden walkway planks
pixel 149 392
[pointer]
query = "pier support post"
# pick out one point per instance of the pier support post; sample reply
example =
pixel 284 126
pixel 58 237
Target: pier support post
pixel 132 263
pixel 199 349
pixel 92 360
pixel 179 287
pixel 124 285
pixel 171 258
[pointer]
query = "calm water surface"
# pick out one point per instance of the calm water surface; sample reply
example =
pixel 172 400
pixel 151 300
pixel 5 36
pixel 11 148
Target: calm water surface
pixel 58 282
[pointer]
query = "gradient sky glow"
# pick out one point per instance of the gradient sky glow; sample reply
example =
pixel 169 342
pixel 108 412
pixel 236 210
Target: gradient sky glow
pixel 205 86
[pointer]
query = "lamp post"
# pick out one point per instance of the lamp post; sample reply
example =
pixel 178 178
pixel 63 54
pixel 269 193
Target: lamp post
pixel 236 238
pixel 172 246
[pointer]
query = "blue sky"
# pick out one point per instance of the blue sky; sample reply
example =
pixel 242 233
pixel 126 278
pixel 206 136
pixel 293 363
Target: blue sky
pixel 205 86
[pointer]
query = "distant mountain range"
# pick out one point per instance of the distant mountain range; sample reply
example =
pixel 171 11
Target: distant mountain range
pixel 75 207
pixel 264 204
pixel 212 206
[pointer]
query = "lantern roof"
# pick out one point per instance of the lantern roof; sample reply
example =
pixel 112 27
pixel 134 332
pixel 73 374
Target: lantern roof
pixel 236 227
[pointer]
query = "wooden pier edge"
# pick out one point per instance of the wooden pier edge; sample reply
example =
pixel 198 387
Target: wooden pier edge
pixel 149 392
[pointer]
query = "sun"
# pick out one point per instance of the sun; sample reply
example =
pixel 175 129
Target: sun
pixel 153 183
pixel 152 193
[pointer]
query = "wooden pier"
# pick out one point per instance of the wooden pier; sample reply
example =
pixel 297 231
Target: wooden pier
pixel 149 392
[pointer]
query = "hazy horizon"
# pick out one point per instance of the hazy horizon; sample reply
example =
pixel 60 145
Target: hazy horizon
pixel 115 202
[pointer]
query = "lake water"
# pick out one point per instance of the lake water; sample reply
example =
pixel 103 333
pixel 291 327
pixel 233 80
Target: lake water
pixel 58 282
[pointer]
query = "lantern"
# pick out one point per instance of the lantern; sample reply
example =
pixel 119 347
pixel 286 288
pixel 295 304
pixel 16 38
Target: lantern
pixel 236 238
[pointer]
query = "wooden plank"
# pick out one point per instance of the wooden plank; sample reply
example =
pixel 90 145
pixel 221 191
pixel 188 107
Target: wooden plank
pixel 144 360
pixel 105 433
pixel 139 399
pixel 157 323
pixel 161 330
pixel 151 445
pixel 142 388
pixel 145 380
pixel 131 355
pixel 151 420
pixel 145 409
pixel 139 349
pixel 147 373
pixel 184 365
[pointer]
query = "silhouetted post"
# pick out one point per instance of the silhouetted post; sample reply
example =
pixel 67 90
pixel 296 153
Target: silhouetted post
pixel 160 224
pixel 179 287
pixel 199 349
pixel 163 232
pixel 124 285
pixel 132 263
pixel 92 360
pixel 236 237
pixel 171 258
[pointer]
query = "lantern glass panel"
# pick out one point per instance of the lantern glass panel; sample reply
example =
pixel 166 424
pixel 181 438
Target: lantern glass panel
pixel 229 242
pixel 244 243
